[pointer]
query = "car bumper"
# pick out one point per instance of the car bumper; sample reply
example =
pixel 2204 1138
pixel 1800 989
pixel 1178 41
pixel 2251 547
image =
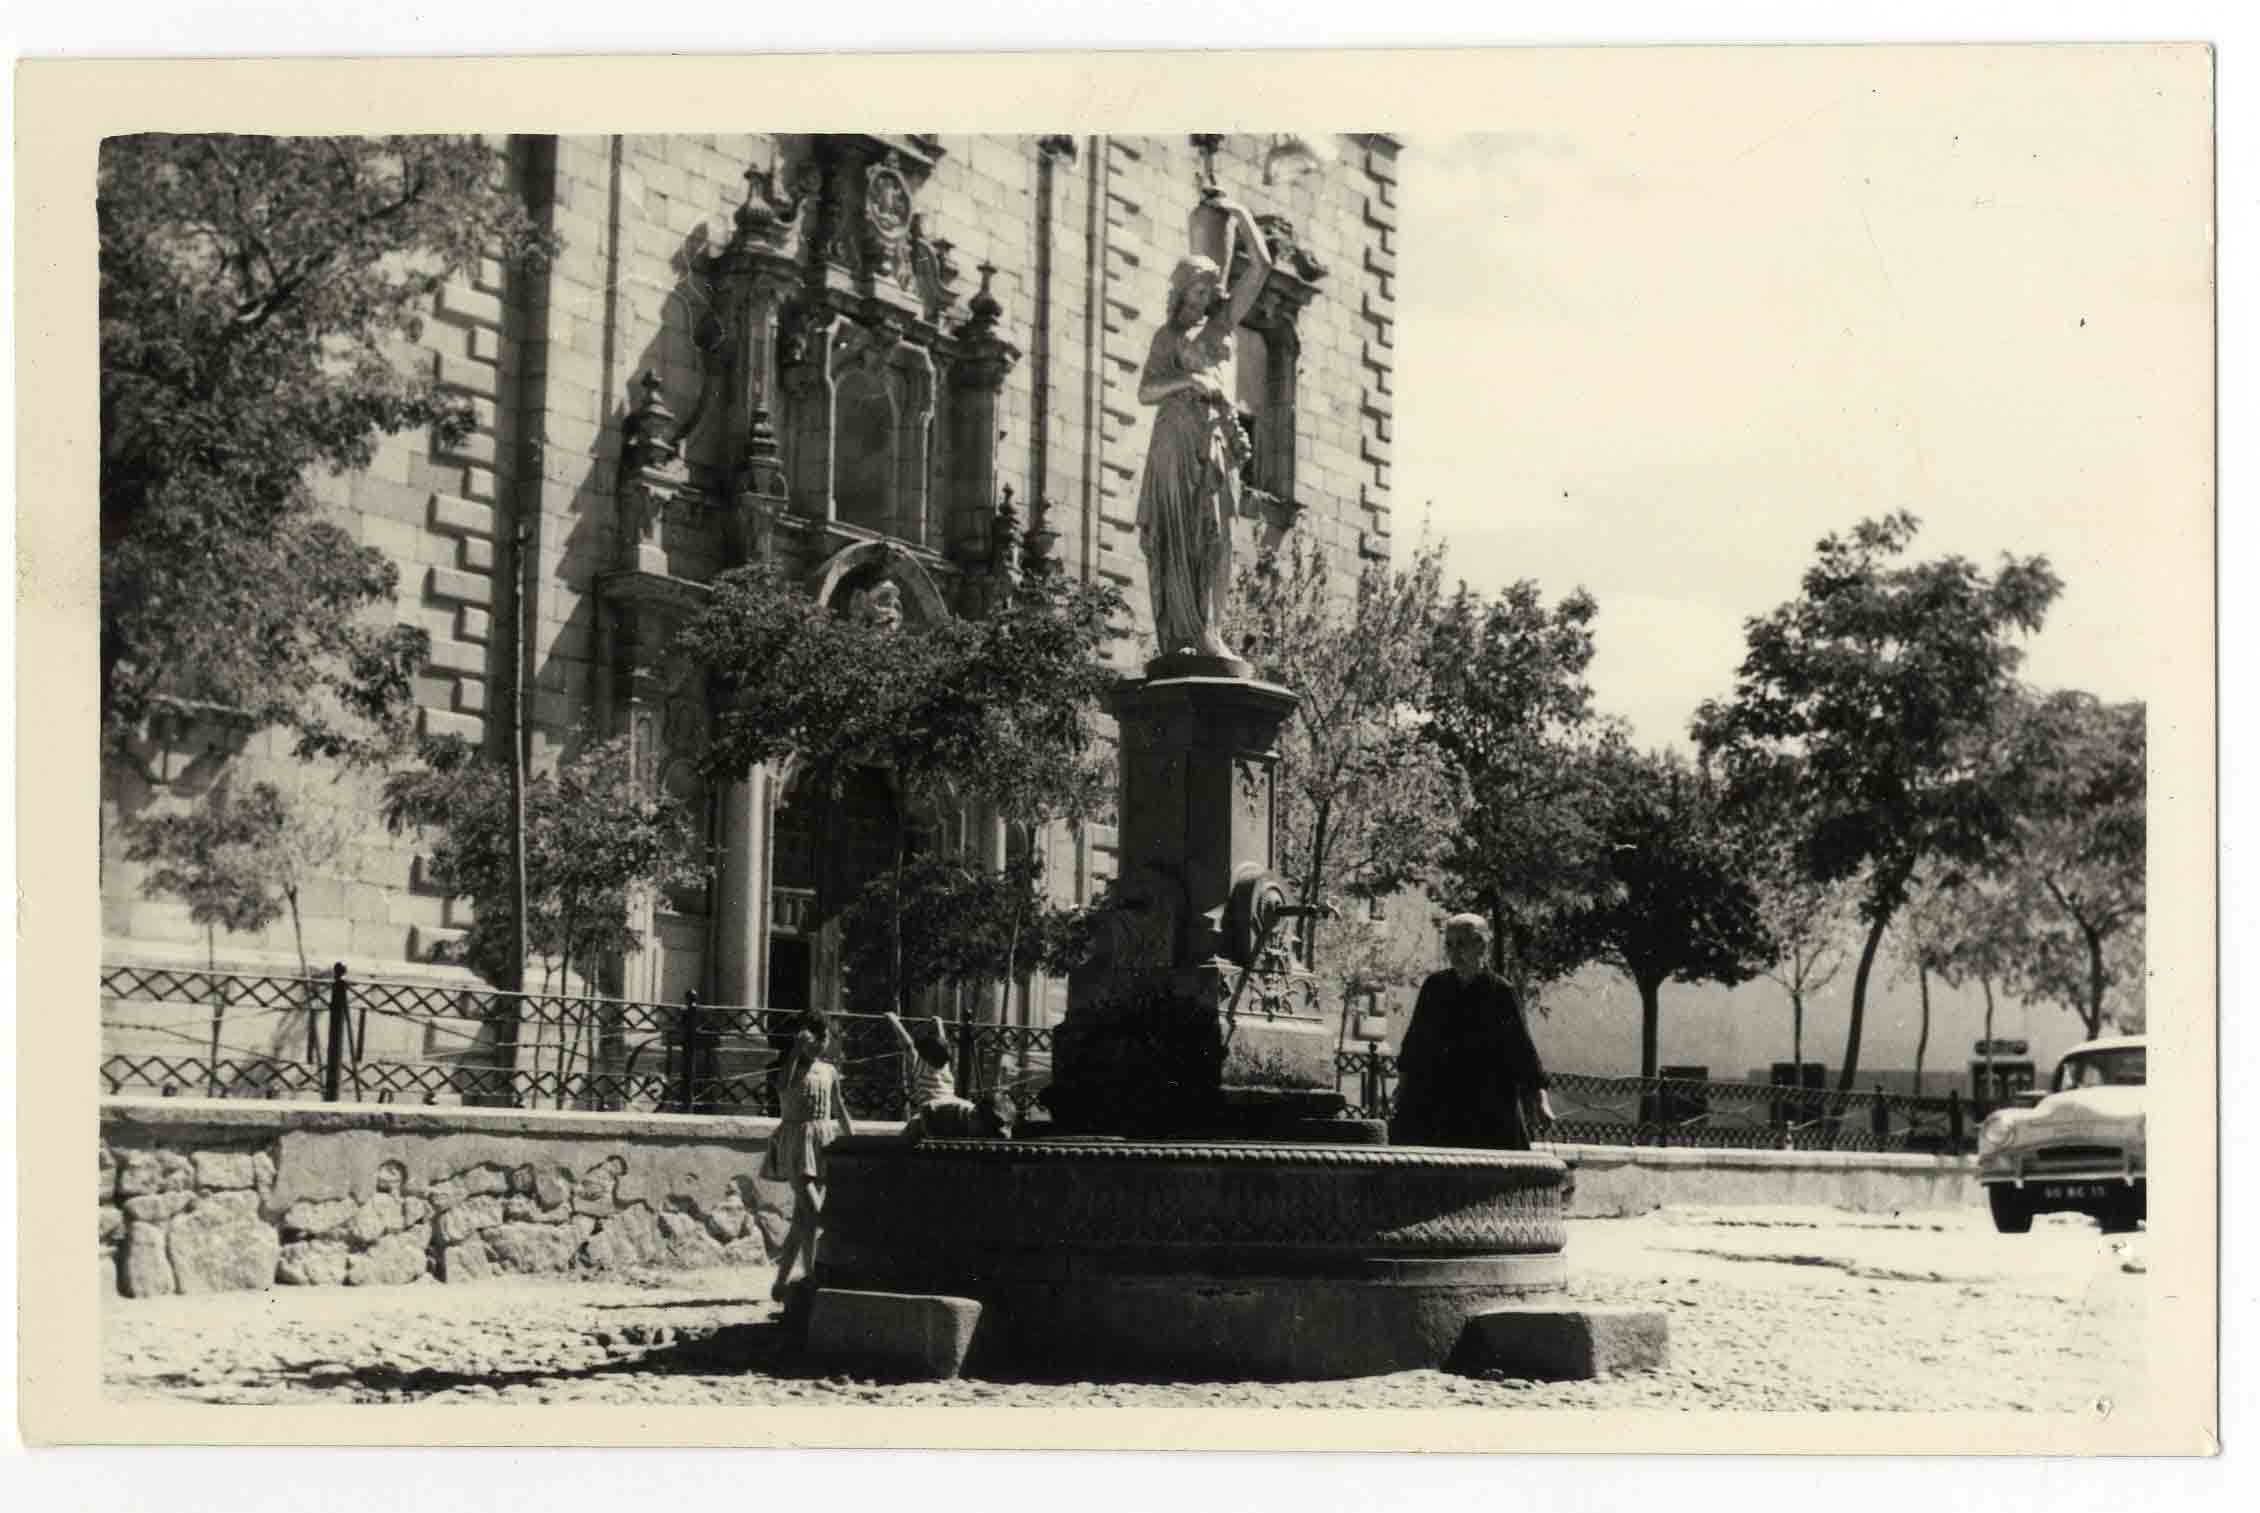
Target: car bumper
pixel 2032 1168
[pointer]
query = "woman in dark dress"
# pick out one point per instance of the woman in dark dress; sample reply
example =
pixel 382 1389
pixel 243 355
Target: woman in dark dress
pixel 1467 1069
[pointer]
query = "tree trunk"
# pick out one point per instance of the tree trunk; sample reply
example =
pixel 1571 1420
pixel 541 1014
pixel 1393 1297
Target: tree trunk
pixel 305 975
pixel 219 1011
pixel 1851 1073
pixel 2094 1014
pixel 1988 1090
pixel 1797 1035
pixel 895 993
pixel 1922 1036
pixel 1651 1023
pixel 1307 927
pixel 565 982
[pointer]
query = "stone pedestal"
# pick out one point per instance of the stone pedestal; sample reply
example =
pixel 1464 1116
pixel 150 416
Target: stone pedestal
pixel 1197 794
pixel 1183 1023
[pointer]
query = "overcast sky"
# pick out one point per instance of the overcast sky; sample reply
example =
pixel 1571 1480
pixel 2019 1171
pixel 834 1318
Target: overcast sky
pixel 1691 317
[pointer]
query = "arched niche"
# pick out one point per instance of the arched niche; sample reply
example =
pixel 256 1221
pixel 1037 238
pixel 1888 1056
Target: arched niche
pixel 867 563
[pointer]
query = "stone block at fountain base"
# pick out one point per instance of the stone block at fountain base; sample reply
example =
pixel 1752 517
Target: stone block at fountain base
pixel 908 1335
pixel 1549 1343
pixel 1199 1259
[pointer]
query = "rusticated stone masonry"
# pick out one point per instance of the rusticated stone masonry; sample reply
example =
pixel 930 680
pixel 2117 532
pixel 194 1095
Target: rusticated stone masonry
pixel 198 1196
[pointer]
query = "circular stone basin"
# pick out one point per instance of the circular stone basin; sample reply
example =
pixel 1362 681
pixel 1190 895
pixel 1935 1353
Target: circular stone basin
pixel 1210 1259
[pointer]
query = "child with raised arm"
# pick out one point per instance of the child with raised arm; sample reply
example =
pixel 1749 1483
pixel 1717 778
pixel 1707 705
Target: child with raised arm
pixel 935 1107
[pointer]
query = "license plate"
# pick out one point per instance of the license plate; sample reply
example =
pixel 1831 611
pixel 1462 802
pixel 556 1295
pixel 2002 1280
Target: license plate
pixel 2074 1192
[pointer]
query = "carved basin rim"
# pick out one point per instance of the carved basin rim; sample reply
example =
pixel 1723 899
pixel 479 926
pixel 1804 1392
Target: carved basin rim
pixel 1538 1168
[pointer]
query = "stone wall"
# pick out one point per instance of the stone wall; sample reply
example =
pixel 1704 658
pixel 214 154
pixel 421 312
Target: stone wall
pixel 216 1196
pixel 1617 1181
pixel 199 1195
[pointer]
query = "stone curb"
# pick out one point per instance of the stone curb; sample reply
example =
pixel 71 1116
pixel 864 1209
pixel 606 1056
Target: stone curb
pixel 911 1335
pixel 1563 1344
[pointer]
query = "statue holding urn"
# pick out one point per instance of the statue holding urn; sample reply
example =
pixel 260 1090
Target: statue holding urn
pixel 1191 491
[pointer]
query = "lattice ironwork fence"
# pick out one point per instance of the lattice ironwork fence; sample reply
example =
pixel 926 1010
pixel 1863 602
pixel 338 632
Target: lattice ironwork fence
pixel 1597 1110
pixel 481 1046
pixel 486 1047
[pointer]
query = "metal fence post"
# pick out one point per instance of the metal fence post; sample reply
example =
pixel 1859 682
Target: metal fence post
pixel 1954 1118
pixel 694 1049
pixel 334 1064
pixel 1879 1119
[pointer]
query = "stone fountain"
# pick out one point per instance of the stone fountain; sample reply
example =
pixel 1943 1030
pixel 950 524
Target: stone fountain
pixel 1199 1206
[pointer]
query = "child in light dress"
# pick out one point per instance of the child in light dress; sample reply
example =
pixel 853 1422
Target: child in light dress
pixel 813 1114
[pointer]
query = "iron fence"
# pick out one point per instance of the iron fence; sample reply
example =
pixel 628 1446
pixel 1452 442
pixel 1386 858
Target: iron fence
pixel 1603 1110
pixel 483 1046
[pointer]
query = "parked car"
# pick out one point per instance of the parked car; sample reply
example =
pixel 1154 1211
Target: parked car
pixel 2080 1149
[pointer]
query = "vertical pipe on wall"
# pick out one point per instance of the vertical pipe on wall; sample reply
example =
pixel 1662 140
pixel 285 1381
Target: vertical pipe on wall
pixel 518 490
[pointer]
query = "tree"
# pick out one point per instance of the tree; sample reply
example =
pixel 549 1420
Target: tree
pixel 1510 712
pixel 597 844
pixel 1931 927
pixel 1809 921
pixel 1369 953
pixel 219 858
pixel 1364 805
pixel 1681 908
pixel 1986 926
pixel 960 923
pixel 1873 690
pixel 991 712
pixel 252 291
pixel 2077 873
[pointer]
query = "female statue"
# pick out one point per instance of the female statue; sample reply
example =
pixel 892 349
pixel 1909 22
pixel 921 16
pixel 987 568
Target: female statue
pixel 1191 492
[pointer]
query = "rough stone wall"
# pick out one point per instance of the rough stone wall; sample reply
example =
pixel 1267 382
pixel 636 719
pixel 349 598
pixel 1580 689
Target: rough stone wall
pixel 196 1196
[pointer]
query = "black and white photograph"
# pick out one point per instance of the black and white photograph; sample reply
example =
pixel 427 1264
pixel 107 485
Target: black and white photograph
pixel 1449 786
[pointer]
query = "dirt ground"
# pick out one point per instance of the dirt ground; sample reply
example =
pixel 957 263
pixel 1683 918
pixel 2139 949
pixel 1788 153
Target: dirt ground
pixel 1791 1309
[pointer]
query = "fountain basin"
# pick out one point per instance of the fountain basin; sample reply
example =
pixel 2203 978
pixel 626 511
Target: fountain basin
pixel 1191 1259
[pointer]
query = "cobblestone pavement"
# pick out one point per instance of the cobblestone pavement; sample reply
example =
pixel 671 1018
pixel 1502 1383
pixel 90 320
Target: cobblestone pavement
pixel 1797 1309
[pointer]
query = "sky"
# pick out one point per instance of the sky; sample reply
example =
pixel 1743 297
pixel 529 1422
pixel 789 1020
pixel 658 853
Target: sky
pixel 1693 311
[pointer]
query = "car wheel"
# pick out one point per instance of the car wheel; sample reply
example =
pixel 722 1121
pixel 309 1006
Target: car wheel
pixel 2123 1216
pixel 2011 1216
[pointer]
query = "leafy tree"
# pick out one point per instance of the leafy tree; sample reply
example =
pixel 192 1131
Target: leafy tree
pixel 1932 930
pixel 991 712
pixel 2076 878
pixel 1681 907
pixel 252 292
pixel 962 924
pixel 267 842
pixel 597 843
pixel 1809 921
pixel 1510 711
pixel 219 858
pixel 2130 983
pixel 1367 954
pixel 1364 802
pixel 1984 930
pixel 1873 690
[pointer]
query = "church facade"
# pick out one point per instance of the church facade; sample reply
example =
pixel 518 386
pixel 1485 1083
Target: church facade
pixel 896 367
